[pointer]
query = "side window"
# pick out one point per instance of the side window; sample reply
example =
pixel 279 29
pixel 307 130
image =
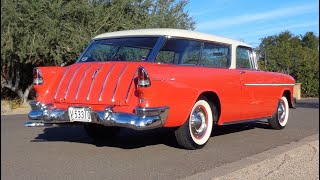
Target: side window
pixel 191 53
pixel 166 57
pixel 179 51
pixel 215 55
pixel 243 59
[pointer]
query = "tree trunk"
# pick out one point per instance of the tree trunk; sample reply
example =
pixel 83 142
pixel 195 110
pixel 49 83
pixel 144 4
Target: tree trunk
pixel 12 78
pixel 23 96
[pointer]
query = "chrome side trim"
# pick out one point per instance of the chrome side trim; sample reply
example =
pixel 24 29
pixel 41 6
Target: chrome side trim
pixel 94 75
pixel 246 120
pixel 80 84
pixel 75 72
pixel 134 75
pixel 61 80
pixel 119 78
pixel 268 84
pixel 105 81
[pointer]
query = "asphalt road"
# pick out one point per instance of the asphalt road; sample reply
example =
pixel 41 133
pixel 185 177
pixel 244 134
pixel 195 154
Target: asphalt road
pixel 67 152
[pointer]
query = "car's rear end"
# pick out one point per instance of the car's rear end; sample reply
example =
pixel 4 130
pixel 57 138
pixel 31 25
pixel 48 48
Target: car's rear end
pixel 105 86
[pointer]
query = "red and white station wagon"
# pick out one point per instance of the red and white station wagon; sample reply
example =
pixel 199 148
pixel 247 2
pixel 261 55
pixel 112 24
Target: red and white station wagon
pixel 151 78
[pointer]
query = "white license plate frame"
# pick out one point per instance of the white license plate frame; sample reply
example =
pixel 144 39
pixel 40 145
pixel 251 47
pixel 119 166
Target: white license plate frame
pixel 79 114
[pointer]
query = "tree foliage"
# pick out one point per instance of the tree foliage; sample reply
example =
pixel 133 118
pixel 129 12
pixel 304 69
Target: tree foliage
pixel 297 56
pixel 53 32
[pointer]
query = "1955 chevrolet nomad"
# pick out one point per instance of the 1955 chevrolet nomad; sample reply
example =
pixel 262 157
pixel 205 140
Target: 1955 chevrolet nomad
pixel 150 78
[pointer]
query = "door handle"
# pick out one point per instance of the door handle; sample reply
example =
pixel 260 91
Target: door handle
pixel 242 72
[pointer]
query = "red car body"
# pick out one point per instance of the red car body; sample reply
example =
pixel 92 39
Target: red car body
pixel 239 94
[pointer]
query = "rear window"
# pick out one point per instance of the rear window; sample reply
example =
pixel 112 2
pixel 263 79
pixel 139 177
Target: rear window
pixel 121 49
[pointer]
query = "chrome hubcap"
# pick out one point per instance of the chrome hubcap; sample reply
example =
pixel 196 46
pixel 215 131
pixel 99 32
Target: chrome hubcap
pixel 198 122
pixel 281 111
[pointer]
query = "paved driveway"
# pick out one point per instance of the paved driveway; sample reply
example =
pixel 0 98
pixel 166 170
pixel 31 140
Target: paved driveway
pixel 67 152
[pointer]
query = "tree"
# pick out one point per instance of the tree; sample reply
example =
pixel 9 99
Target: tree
pixel 297 56
pixel 45 33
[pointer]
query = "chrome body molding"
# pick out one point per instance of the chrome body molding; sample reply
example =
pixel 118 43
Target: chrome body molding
pixel 81 81
pixel 119 79
pixel 143 119
pixel 93 77
pixel 268 84
pixel 73 75
pixel 105 81
pixel 58 88
pixel 132 79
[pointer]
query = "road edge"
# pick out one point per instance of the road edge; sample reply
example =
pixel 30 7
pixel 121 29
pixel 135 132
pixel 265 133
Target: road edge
pixel 243 163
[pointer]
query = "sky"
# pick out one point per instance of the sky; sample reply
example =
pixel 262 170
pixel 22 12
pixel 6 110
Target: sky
pixel 251 20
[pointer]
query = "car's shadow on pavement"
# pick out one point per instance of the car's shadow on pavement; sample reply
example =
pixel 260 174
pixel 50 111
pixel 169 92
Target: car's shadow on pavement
pixel 125 139
pixel 131 139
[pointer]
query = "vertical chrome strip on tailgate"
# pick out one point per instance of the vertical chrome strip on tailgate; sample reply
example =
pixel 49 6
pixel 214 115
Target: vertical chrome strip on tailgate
pixel 104 83
pixel 75 72
pixel 134 75
pixel 115 88
pixel 81 82
pixel 61 80
pixel 94 75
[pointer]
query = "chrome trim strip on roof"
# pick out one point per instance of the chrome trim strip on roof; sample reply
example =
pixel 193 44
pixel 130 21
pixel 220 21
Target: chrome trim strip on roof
pixel 134 75
pixel 258 84
pixel 115 88
pixel 80 84
pixel 61 80
pixel 94 75
pixel 105 81
pixel 75 72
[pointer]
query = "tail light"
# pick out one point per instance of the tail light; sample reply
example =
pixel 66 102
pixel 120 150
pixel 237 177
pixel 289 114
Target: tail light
pixel 143 78
pixel 37 77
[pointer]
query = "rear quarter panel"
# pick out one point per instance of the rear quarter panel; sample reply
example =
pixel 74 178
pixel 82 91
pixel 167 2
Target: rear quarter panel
pixel 179 87
pixel 51 76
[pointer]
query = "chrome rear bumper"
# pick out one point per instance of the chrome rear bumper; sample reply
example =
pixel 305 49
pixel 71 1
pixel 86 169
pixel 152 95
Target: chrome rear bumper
pixel 144 118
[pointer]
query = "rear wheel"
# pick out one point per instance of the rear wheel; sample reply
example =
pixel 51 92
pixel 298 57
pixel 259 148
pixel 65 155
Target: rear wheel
pixel 100 132
pixel 196 131
pixel 281 116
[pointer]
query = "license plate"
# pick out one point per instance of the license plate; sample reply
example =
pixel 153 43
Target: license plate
pixel 81 114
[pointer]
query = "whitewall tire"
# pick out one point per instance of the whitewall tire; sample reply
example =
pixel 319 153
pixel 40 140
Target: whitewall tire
pixel 281 115
pixel 196 131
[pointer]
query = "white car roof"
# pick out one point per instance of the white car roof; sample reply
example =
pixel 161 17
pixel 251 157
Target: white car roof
pixel 171 32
